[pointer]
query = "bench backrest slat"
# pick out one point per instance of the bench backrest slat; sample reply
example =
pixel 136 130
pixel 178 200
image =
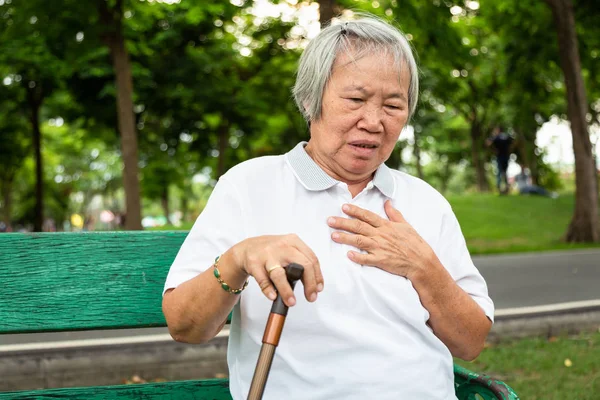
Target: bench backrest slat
pixel 213 389
pixel 89 281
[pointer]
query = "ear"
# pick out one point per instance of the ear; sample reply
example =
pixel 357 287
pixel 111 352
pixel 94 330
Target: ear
pixel 305 108
pixel 308 117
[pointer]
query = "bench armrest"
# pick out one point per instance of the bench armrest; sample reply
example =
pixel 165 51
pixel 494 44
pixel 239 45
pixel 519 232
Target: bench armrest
pixel 468 384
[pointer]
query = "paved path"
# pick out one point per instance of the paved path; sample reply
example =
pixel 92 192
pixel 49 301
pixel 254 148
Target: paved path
pixel 516 280
pixel 522 280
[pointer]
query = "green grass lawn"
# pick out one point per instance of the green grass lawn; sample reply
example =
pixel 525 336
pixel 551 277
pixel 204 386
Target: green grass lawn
pixel 502 224
pixel 561 368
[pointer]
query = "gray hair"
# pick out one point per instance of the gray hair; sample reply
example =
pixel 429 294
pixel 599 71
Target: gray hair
pixel 358 37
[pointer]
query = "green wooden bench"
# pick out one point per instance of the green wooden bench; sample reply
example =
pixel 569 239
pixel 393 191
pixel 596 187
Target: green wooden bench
pixel 53 282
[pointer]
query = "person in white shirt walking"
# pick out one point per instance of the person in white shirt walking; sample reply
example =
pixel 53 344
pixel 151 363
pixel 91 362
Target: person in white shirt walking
pixel 389 292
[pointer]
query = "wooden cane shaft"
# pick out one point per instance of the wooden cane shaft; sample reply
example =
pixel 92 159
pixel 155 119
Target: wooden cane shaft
pixel 261 373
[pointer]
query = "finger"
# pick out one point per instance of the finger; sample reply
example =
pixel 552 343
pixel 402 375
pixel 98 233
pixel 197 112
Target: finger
pixel 364 215
pixel 309 280
pixel 393 214
pixel 261 276
pixel 319 277
pixel 358 241
pixel 279 279
pixel 362 258
pixel 351 225
pixel 312 280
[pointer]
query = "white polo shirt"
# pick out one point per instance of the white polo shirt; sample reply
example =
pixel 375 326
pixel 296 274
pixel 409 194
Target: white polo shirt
pixel 366 336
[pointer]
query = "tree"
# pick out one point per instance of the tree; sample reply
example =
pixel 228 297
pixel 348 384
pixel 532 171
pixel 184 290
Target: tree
pixel 327 10
pixel 584 226
pixel 14 147
pixel 111 17
pixel 460 76
pixel 33 56
pixel 531 90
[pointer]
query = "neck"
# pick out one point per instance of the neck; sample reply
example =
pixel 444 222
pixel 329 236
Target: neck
pixel 355 184
pixel 356 188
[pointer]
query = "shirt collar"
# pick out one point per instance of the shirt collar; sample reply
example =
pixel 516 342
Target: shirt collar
pixel 314 178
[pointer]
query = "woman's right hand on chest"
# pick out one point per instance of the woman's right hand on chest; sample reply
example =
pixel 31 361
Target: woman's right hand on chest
pixel 263 256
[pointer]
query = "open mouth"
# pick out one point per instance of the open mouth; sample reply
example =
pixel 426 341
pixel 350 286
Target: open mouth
pixel 365 146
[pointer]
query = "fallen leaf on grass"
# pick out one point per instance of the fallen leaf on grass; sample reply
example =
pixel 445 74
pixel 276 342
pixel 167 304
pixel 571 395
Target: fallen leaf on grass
pixel 136 379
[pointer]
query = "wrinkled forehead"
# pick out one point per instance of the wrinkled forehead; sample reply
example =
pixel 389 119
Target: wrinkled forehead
pixel 391 61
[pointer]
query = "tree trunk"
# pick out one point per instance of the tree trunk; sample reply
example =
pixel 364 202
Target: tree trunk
pixel 223 145
pixel 7 201
pixel 128 134
pixel 534 169
pixel 34 100
pixel 112 19
pixel 596 172
pixel 478 164
pixel 164 200
pixel 327 10
pixel 184 208
pixel 584 224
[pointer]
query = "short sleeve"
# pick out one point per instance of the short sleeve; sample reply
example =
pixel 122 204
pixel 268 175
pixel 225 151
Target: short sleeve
pixel 218 228
pixel 454 255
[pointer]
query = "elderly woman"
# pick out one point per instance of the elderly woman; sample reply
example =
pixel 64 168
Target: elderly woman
pixel 390 291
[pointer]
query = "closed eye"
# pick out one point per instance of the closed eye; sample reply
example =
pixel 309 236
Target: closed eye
pixel 394 107
pixel 355 99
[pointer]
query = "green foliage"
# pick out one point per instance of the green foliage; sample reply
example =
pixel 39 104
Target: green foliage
pixel 212 88
pixel 548 177
pixel 76 171
pixel 13 135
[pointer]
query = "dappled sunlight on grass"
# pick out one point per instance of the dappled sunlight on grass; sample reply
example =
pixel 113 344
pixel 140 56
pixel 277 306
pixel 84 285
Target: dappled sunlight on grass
pixel 497 224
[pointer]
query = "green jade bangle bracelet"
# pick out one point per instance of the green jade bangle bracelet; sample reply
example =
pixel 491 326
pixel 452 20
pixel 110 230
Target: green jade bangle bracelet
pixel 223 284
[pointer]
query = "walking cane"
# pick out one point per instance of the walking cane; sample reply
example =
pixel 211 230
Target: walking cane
pixel 271 336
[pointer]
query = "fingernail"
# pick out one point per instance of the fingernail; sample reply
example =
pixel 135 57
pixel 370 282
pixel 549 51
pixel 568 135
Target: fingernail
pixel 331 220
pixel 312 297
pixel 335 235
pixel 320 287
pixel 346 207
pixel 272 295
pixel 291 301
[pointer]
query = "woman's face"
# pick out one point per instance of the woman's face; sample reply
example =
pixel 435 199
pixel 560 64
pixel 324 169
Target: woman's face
pixel 365 107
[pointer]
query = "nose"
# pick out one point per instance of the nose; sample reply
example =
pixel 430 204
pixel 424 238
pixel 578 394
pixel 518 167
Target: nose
pixel 371 120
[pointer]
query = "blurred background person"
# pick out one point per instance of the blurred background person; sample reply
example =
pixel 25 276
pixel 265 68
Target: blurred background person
pixel 502 145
